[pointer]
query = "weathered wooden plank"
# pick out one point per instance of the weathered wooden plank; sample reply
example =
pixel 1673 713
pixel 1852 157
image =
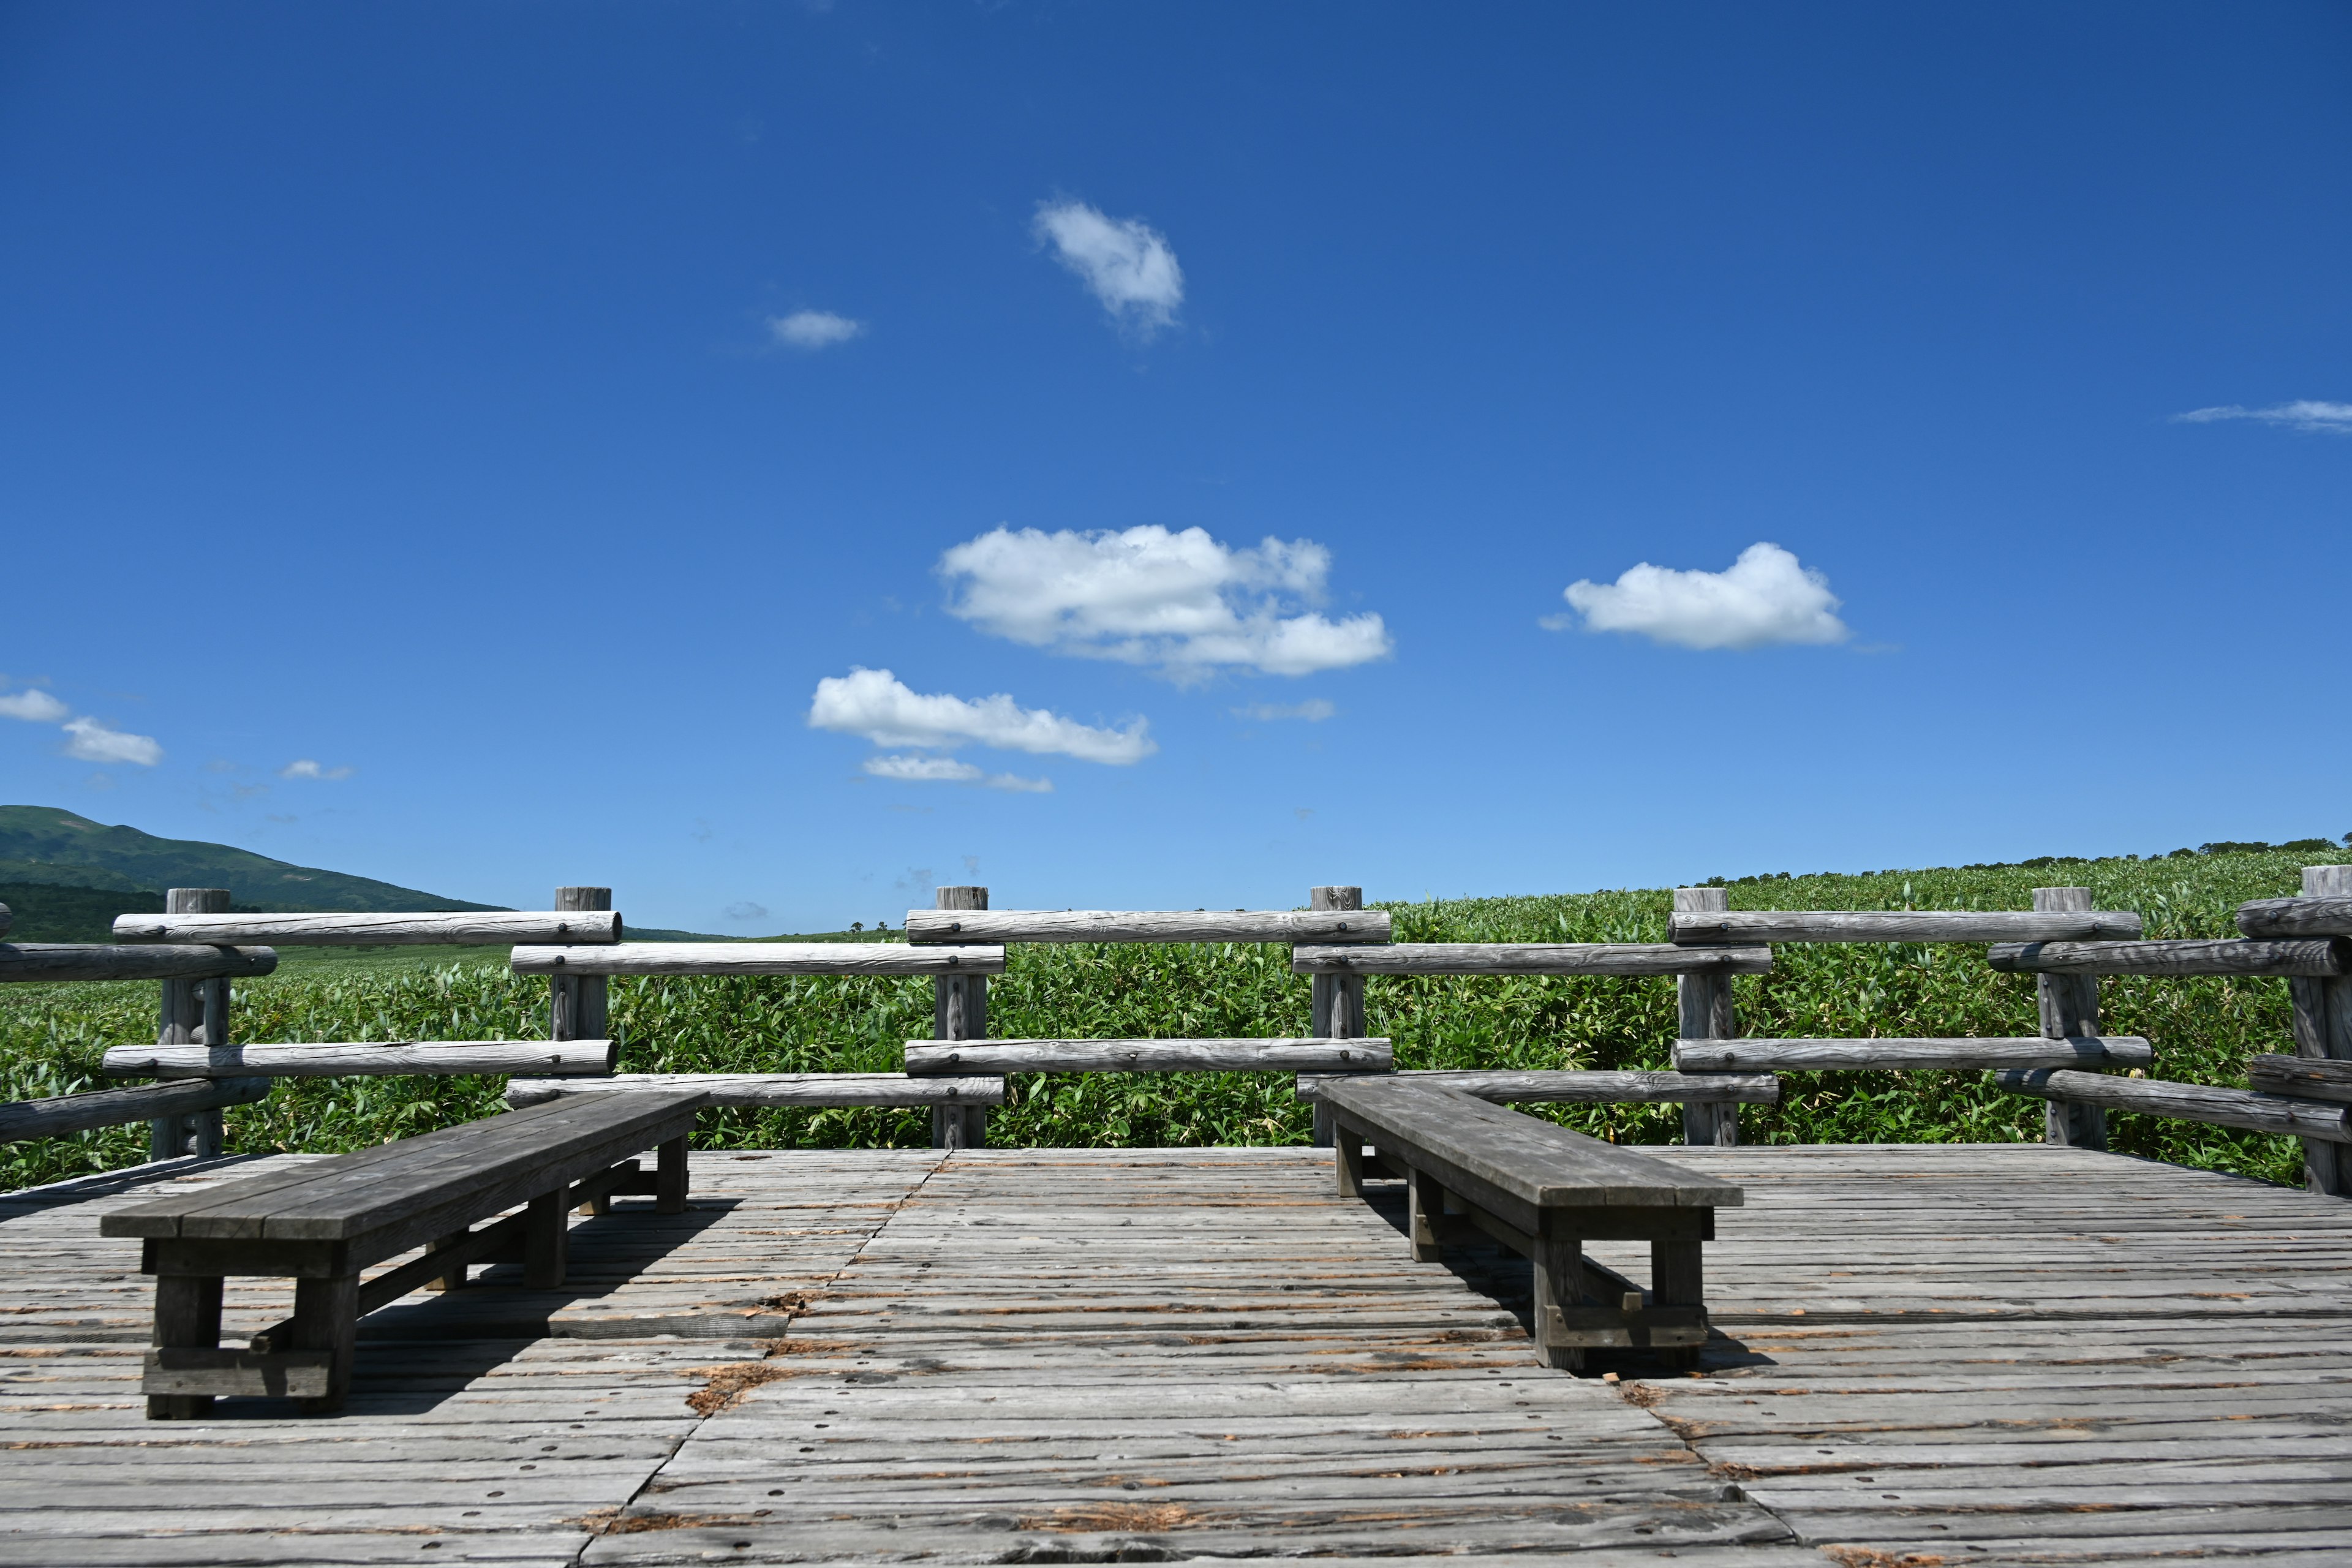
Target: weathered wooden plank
pixel 1531 958
pixel 882 1088
pixel 302 1059
pixel 1295 926
pixel 1910 1054
pixel 1903 925
pixel 2190 1102
pixel 1581 1086
pixel 59 960
pixel 110 1107
pixel 2308 956
pixel 1271 1054
pixel 2325 915
pixel 357 929
pixel 757 958
pixel 282 1375
pixel 2307 1077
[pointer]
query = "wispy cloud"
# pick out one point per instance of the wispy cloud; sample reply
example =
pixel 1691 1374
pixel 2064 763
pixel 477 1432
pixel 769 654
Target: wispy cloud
pixel 1185 601
pixel 1124 261
pixel 911 768
pixel 878 705
pixel 1764 597
pixel 2328 418
pixel 814 329
pixel 1314 710
pixel 746 911
pixel 94 743
pixel 304 768
pixel 31 705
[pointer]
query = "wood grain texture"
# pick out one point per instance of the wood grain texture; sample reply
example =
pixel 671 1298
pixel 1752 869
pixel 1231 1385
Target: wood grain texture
pixel 1531 958
pixel 757 958
pixel 934 927
pixel 300 1059
pixel 2254 1111
pixel 2067 1006
pixel 367 929
pixel 1581 1086
pixel 2306 956
pixel 1272 1054
pixel 1902 925
pixel 2303 1077
pixel 1910 1054
pixel 67 1113
pixel 884 1089
pixel 2311 915
pixel 1704 1010
pixel 1335 999
pixel 59 961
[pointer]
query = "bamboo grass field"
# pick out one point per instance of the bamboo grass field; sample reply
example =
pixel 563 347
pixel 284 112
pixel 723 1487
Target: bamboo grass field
pixel 2204 1029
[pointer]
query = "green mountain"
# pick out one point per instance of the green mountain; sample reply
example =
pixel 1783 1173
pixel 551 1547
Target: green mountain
pixel 47 845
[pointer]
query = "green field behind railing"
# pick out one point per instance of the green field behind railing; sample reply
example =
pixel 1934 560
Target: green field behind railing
pixel 2204 1029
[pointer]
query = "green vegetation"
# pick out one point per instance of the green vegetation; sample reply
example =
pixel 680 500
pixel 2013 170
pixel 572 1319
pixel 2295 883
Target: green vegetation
pixel 2204 1029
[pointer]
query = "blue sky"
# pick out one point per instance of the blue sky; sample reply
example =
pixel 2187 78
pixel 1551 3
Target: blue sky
pixel 533 418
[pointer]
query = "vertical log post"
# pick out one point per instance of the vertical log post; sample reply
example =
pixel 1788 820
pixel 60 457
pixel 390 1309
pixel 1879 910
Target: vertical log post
pixel 579 1006
pixel 1336 1001
pixel 2323 1029
pixel 195 1012
pixel 2069 1005
pixel 1703 1002
pixel 960 1011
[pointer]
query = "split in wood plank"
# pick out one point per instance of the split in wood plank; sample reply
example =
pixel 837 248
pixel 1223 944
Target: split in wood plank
pixel 774 1089
pixel 1911 1055
pixel 1901 925
pixel 757 958
pixel 2309 955
pixel 470 927
pixel 1531 958
pixel 1580 1086
pixel 302 1059
pixel 1295 926
pixel 1273 1054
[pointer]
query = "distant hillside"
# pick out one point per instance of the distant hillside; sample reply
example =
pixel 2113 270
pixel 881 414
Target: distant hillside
pixel 46 844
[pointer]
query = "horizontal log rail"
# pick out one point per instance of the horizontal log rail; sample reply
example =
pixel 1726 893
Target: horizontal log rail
pixel 355 929
pixel 297 1060
pixel 2307 1077
pixel 1911 1055
pixel 777 1088
pixel 2246 1108
pixel 1631 958
pixel 757 958
pixel 58 960
pixel 1569 1086
pixel 925 1057
pixel 2297 917
pixel 1900 925
pixel 2308 955
pixel 54 1118
pixel 931 927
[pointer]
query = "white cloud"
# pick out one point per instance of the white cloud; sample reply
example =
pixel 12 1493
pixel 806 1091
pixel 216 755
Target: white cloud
pixel 1124 261
pixel 745 910
pixel 1183 601
pixel 2334 418
pixel 34 706
pixel 876 704
pixel 814 329
pixel 1765 597
pixel 1314 710
pixel 94 743
pixel 909 768
pixel 304 768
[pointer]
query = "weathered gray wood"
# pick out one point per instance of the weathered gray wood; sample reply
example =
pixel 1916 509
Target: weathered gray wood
pixel 578 1003
pixel 2254 1111
pixel 2309 956
pixel 2068 1006
pixel 933 927
pixel 774 1089
pixel 960 1011
pixel 205 1374
pixel 110 1107
pixel 302 1059
pixel 1531 958
pixel 61 960
pixel 1272 1054
pixel 1335 997
pixel 2303 1077
pixel 1579 1086
pixel 192 1012
pixel 187 1317
pixel 2323 1028
pixel 1702 1002
pixel 1910 1054
pixel 2324 910
pixel 757 958
pixel 1903 925
pixel 359 929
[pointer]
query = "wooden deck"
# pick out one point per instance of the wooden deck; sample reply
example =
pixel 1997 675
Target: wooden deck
pixel 1927 1356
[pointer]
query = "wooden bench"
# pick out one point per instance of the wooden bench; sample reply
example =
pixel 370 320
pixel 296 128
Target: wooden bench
pixel 1474 1170
pixel 325 1221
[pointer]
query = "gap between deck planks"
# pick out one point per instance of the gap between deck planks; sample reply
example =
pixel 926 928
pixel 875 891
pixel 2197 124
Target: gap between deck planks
pixel 1203 1351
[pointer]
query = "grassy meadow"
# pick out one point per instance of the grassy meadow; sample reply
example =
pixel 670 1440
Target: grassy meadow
pixel 2204 1029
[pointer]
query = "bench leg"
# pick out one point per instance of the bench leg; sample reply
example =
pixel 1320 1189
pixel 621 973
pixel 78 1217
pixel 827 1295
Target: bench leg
pixel 1347 1149
pixel 456 1279
pixel 1426 1203
pixel 670 1176
pixel 327 1318
pixel 1559 1267
pixel 546 1232
pixel 1324 1128
pixel 187 1316
pixel 1677 1279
